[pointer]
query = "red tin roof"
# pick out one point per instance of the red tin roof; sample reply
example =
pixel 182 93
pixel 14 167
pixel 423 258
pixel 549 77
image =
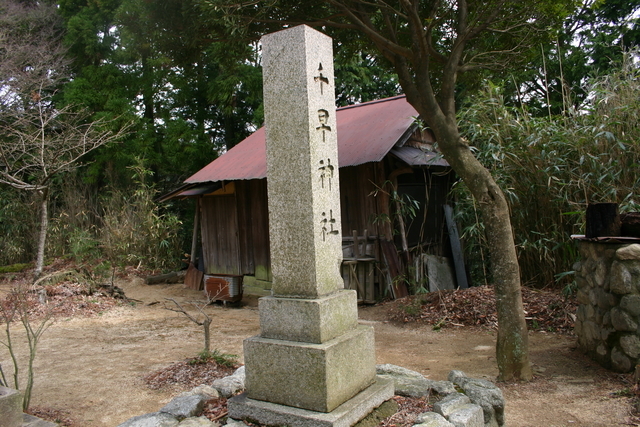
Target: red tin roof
pixel 366 133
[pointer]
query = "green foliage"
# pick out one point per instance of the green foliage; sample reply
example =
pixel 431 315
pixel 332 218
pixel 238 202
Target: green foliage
pixel 136 232
pixel 13 268
pixel 550 168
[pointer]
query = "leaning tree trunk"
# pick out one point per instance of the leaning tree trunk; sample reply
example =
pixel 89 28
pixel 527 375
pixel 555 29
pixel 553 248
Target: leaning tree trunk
pixel 42 236
pixel 512 347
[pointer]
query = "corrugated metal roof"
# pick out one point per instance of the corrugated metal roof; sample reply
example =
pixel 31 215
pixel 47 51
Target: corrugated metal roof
pixel 366 133
pixel 416 157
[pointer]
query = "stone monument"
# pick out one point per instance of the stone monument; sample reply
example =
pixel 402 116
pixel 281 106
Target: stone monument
pixel 312 364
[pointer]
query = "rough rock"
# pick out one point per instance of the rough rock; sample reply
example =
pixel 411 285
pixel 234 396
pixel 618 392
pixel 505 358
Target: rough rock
pixel 231 385
pixel 630 252
pixel 198 422
pixel 483 393
pixel 204 390
pixel 619 361
pixel 450 404
pixel 468 415
pixel 411 383
pixel 630 344
pixel 185 406
pixel 622 321
pixel 155 419
pixel 234 423
pixel 432 419
pixel 631 304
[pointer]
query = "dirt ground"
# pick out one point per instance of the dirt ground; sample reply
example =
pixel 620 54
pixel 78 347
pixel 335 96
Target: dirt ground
pixel 93 368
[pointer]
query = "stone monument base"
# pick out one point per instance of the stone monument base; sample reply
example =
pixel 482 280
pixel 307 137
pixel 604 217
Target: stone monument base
pixel 346 415
pixel 316 377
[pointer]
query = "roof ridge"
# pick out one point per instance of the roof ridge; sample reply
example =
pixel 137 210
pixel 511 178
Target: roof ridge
pixel 377 101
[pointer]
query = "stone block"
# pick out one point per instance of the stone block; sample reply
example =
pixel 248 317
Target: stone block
pixel 317 377
pixel 620 280
pixel 232 384
pixel 183 407
pixel 630 345
pixel 204 390
pixel 450 404
pixel 629 252
pixel 457 377
pixel 155 419
pixel 577 266
pixel 602 350
pixel 606 319
pixel 345 415
pixel 198 422
pixel 593 296
pixel 605 300
pixel 621 320
pixel 432 419
pixel 590 331
pixel 620 362
pixel 582 296
pixel 483 393
pixel 413 384
pixel 577 327
pixel 631 304
pixel 309 320
pixel 468 415
pixel 10 407
pixel 600 274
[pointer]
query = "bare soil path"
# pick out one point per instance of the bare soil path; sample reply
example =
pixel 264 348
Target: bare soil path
pixel 93 368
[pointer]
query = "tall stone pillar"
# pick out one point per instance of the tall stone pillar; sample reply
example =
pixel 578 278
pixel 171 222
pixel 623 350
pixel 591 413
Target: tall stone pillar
pixel 311 353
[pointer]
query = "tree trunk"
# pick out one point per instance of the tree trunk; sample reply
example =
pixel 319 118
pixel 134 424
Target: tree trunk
pixel 44 226
pixel 206 324
pixel 512 347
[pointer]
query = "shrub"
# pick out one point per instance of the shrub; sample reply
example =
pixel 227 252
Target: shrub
pixel 551 168
pixel 135 231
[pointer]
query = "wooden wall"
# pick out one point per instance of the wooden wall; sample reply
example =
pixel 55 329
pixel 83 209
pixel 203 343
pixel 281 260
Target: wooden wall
pixel 358 206
pixel 220 244
pixel 235 227
pixel 253 218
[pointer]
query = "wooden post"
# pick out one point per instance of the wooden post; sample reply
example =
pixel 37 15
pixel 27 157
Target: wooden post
pixel 456 248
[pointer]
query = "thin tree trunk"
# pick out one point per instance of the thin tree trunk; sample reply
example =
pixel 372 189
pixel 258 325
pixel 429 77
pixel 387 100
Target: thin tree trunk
pixel 512 347
pixel 42 236
pixel 207 335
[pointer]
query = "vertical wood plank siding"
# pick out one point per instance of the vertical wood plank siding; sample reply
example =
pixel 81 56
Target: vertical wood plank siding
pixel 220 243
pixel 358 206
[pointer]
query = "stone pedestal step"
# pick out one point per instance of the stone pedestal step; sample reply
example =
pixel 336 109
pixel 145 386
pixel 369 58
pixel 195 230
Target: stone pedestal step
pixel 345 415
pixel 31 421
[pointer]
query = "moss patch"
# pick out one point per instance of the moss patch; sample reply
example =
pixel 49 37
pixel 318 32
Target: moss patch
pixel 383 411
